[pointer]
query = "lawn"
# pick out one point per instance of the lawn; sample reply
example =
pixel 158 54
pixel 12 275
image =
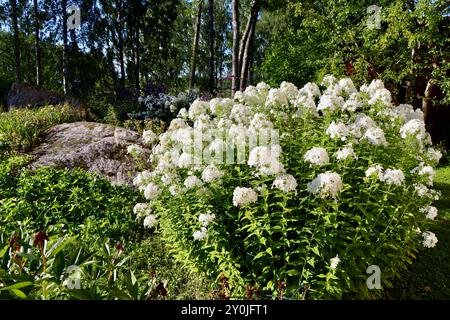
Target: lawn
pixel 429 276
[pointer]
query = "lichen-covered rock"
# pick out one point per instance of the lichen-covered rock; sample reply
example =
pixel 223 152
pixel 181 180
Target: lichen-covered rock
pixel 92 146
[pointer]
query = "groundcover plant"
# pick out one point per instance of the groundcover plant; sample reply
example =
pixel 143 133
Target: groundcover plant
pixel 293 193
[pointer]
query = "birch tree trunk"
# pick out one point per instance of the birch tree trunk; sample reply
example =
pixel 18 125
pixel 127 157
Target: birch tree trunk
pixel 211 81
pixel 64 59
pixel 138 58
pixel 119 6
pixel 16 39
pixel 235 81
pixel 195 46
pixel 37 44
pixel 247 45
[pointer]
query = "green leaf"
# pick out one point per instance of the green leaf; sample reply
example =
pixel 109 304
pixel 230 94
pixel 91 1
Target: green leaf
pixel 18 293
pixel 80 294
pixel 17 286
pixel 315 250
pixel 58 246
pixel 3 251
pixel 293 272
pixel 120 294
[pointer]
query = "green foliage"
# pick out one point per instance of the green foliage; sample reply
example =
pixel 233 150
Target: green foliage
pixel 90 225
pixel 323 37
pixel 21 129
pixel 68 201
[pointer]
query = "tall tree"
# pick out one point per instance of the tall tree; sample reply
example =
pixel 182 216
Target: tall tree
pixel 137 56
pixel 211 81
pixel 37 44
pixel 16 39
pixel 246 45
pixel 119 8
pixel 195 46
pixel 64 57
pixel 235 82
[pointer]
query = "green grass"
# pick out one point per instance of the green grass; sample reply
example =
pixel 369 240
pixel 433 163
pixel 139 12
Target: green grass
pixel 21 129
pixel 429 276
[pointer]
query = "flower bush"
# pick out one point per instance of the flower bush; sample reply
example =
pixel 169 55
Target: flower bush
pixel 344 183
pixel 161 105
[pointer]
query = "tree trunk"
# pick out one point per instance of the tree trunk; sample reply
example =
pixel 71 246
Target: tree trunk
pixel 409 83
pixel 64 59
pixel 195 47
pixel 427 93
pixel 211 46
pixel 37 44
pixel 121 60
pixel 120 44
pixel 235 81
pixel 426 99
pixel 28 76
pixel 16 39
pixel 138 59
pixel 247 45
pixel 244 42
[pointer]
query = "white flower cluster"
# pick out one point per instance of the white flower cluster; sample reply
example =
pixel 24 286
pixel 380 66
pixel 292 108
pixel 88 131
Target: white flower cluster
pixel 345 153
pixel 244 196
pixel 317 156
pixel 393 176
pixel 211 173
pixel 430 212
pixel 426 171
pixel 206 218
pixel 150 221
pixel 389 176
pixel 327 184
pixel 429 239
pixel 334 262
pixel 375 170
pixel 266 159
pixel 142 210
pixel 338 130
pixel 424 191
pixel 375 136
pixel 192 182
pixel 414 127
pixel 285 183
pixel 152 191
pixel 134 149
pixel 149 137
pixel 201 234
pixel 434 155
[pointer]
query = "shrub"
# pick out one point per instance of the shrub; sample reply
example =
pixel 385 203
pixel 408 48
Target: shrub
pixel 71 201
pixel 345 186
pixel 164 106
pixel 52 221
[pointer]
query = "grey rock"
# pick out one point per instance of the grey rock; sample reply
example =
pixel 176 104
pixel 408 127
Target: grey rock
pixel 91 146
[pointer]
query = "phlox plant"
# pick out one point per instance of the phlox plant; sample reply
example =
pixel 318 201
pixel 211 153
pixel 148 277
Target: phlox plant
pixel 163 106
pixel 347 184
